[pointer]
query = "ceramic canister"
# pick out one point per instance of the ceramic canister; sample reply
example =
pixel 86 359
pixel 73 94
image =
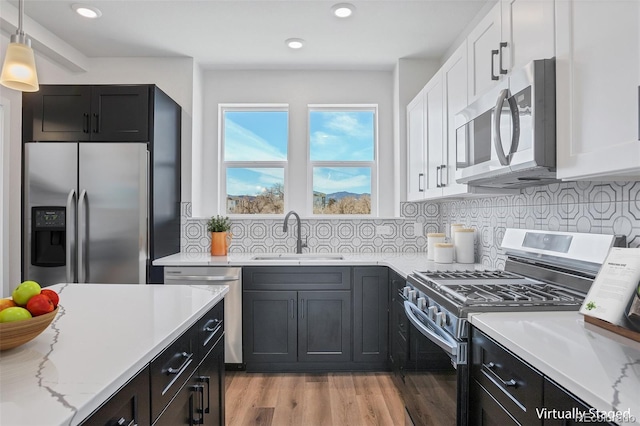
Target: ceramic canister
pixel 432 239
pixel 453 228
pixel 443 253
pixel 464 245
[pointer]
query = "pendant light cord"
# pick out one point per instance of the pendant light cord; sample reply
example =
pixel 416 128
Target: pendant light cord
pixel 20 14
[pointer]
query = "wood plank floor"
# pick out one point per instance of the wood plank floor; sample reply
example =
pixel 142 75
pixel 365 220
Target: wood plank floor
pixel 297 399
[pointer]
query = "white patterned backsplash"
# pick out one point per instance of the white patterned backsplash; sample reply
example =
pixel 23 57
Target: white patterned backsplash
pixel 595 207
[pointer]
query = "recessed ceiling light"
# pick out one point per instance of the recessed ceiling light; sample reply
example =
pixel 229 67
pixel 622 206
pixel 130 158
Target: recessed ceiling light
pixel 343 10
pixel 87 11
pixel 294 43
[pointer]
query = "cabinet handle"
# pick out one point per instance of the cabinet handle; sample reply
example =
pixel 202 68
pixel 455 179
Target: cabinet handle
pixel 85 123
pixel 207 380
pixel 200 411
pixel 187 357
pixel 503 44
pixel 291 308
pixel 121 421
pixel 192 419
pixel 301 308
pixel 493 73
pixel 421 182
pixel 97 119
pixel 505 383
pixel 438 185
pixel 442 175
pixel 211 330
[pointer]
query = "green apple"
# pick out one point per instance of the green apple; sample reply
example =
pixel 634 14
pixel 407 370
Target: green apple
pixel 15 313
pixel 25 291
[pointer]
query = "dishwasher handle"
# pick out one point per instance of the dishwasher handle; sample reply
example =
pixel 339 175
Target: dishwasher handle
pixel 219 278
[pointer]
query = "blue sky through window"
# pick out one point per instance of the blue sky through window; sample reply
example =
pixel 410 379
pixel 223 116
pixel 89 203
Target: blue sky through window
pixel 341 135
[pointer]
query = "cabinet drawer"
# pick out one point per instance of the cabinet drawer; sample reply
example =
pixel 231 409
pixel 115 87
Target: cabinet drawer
pixel 130 405
pixel 484 410
pixel 171 369
pixel 209 329
pixel 297 278
pixel 511 382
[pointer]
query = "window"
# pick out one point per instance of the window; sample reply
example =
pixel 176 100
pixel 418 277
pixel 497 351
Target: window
pixel 342 158
pixel 254 152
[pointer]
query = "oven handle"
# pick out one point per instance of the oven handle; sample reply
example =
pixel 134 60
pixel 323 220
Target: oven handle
pixel 449 345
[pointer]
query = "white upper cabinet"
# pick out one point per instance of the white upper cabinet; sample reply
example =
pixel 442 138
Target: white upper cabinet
pixel 512 34
pixel 483 43
pixel 416 147
pixel 436 142
pixel 454 80
pixel 598 80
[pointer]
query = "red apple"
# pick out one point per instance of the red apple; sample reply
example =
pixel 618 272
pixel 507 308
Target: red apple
pixel 52 295
pixel 40 304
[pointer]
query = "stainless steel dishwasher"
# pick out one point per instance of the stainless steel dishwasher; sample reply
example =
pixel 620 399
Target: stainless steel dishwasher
pixel 213 275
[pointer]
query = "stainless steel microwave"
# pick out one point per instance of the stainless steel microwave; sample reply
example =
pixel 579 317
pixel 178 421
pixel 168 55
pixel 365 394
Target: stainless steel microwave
pixel 507 138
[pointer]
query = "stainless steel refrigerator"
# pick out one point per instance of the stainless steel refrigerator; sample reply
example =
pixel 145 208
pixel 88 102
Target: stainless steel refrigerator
pixel 87 211
pixel 96 211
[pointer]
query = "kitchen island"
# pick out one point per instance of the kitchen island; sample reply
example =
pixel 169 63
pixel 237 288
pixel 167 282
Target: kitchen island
pixel 101 337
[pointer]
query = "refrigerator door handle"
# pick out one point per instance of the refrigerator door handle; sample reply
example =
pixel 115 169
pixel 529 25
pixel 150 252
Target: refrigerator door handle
pixel 71 234
pixel 83 229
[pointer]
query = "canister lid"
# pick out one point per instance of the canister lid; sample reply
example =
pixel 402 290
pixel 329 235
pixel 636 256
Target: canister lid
pixel 443 245
pixel 464 230
pixel 435 234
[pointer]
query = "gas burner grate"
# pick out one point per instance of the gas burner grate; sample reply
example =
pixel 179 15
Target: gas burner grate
pixel 468 275
pixel 539 293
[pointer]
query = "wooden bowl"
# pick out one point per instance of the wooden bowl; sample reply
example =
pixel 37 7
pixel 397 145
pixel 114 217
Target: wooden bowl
pixel 16 333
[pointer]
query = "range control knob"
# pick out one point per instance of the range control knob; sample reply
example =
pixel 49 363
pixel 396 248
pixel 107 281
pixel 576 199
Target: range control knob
pixel 442 319
pixel 432 312
pixel 422 303
pixel 405 291
pixel 413 294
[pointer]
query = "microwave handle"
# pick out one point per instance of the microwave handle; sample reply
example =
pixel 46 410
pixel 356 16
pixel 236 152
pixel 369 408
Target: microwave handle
pixel 515 134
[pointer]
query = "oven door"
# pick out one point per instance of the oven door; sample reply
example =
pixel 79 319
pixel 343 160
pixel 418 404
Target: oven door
pixel 435 380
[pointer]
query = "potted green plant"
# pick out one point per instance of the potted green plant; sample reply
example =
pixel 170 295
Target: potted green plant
pixel 219 227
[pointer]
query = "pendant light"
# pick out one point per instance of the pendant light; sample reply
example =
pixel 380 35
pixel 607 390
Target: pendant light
pixel 19 69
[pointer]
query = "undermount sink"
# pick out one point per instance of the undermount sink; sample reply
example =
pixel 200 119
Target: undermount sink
pixel 301 257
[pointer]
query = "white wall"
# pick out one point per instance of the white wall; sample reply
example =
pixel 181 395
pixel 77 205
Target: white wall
pixel 298 89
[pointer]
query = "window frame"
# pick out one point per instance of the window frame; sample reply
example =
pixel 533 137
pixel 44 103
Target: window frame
pixel 372 164
pixel 224 165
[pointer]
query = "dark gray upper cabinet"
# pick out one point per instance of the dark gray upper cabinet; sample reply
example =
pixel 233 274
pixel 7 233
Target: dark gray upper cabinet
pixel 370 314
pixel 109 113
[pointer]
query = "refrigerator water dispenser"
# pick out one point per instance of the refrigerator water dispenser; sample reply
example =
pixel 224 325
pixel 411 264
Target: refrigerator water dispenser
pixel 48 245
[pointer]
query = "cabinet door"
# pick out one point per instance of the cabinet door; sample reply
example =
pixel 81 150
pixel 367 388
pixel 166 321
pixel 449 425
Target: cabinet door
pixel 398 335
pixel 483 45
pixel 324 326
pixel 370 314
pixel 598 79
pixel 269 326
pixel 556 398
pixel 454 78
pixel 416 147
pixel 120 113
pixel 60 113
pixel 528 29
pixel 211 376
pixel 484 410
pixel 435 136
pixel 130 405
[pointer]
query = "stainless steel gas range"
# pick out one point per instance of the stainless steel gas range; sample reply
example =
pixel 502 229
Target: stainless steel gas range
pixel 544 270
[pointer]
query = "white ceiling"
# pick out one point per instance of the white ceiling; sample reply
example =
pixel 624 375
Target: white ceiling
pixel 251 34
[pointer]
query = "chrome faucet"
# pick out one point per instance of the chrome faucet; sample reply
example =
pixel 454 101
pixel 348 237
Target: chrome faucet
pixel 299 243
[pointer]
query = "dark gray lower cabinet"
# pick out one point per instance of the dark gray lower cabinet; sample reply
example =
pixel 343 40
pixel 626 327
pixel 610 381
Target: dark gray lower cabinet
pixel 130 405
pixel 371 315
pixel 270 326
pixel 324 326
pixel 311 318
pixel 398 328
pixel 556 398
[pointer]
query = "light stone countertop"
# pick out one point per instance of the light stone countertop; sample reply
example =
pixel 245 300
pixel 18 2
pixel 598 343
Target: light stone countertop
pixel 599 367
pixel 101 337
pixel 402 263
